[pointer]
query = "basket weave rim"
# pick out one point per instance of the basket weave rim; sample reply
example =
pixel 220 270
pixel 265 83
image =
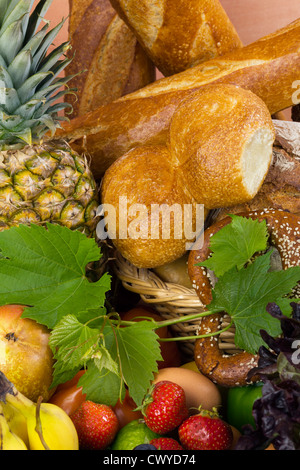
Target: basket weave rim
pixel 146 283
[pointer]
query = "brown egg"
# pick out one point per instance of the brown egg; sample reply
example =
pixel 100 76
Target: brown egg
pixel 199 390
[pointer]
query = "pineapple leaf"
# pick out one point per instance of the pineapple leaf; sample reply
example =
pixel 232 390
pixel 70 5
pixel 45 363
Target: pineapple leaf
pixel 25 135
pixel 3 9
pixel 11 40
pixel 27 90
pixel 36 17
pixel 30 75
pixel 2 62
pixel 35 42
pixel 52 59
pixel 20 67
pixel 27 110
pixel 45 44
pixel 16 12
pixel 9 99
pixel 5 79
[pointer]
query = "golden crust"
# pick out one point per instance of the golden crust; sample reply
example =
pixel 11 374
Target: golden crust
pixel 188 170
pixel 177 36
pixel 267 67
pixel 106 56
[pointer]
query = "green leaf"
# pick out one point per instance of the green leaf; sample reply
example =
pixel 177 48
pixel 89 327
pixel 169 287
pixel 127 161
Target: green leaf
pixel 101 386
pixel 138 349
pixel 244 295
pixel 235 244
pixel 103 359
pixel 45 269
pixel 71 341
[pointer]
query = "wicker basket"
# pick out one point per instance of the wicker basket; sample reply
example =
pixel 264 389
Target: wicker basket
pixel 172 301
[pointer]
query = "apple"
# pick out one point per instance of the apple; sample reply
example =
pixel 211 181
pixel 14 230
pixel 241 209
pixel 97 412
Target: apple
pixel 26 358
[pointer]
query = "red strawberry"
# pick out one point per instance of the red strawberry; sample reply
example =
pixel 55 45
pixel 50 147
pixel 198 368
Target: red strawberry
pixel 166 443
pixel 165 408
pixel 96 425
pixel 205 431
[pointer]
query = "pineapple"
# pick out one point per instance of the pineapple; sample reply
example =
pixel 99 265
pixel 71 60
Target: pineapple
pixel 41 179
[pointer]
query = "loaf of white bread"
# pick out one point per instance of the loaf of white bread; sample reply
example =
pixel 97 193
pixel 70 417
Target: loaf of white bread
pixel 268 67
pixel 178 35
pixel 107 60
pixel 218 152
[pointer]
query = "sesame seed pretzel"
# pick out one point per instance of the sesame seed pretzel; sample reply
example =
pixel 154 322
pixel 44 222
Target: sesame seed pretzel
pixel 231 370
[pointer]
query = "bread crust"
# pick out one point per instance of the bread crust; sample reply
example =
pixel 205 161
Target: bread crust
pixel 178 35
pixel 281 187
pixel 107 59
pixel 188 171
pixel 267 67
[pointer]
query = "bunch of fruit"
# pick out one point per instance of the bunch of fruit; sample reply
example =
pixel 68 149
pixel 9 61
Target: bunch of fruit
pixel 163 422
pixel 44 181
pixel 25 425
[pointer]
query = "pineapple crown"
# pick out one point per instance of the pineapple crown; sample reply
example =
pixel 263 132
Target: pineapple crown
pixel 31 87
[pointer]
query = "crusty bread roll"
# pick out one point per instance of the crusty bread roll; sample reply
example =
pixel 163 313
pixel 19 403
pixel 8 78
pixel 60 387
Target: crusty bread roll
pixel 107 58
pixel 281 187
pixel 267 67
pixel 218 153
pixel 178 35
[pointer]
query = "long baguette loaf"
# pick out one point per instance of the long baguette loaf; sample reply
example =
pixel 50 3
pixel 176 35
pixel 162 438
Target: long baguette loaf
pixel 178 35
pixel 267 67
pixel 107 59
pixel 218 153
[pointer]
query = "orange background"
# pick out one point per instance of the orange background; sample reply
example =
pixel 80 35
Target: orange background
pixel 251 18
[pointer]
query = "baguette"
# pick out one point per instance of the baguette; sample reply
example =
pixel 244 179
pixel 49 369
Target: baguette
pixel 107 59
pixel 218 153
pixel 267 67
pixel 178 35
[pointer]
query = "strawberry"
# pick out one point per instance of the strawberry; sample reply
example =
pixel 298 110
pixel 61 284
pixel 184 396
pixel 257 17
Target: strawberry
pixel 164 408
pixel 96 425
pixel 205 431
pixel 166 443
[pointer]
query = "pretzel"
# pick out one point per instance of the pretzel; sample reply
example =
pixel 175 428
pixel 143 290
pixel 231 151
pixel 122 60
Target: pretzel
pixel 231 370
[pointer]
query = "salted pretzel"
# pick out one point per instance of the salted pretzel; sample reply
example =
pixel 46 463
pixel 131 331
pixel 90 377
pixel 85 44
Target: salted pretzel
pixel 231 370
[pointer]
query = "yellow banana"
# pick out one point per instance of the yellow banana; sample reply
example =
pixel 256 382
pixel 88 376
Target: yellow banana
pixel 8 439
pixel 16 422
pixel 48 426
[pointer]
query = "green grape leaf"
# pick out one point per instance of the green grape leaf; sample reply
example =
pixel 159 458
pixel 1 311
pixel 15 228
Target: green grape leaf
pixel 101 386
pixel 235 244
pixel 44 269
pixel 72 342
pixel 118 356
pixel 139 350
pixel 244 295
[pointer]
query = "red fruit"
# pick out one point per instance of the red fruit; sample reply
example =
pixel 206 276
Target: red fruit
pixel 126 410
pixel 96 425
pixel 166 443
pixel 165 408
pixel 205 431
